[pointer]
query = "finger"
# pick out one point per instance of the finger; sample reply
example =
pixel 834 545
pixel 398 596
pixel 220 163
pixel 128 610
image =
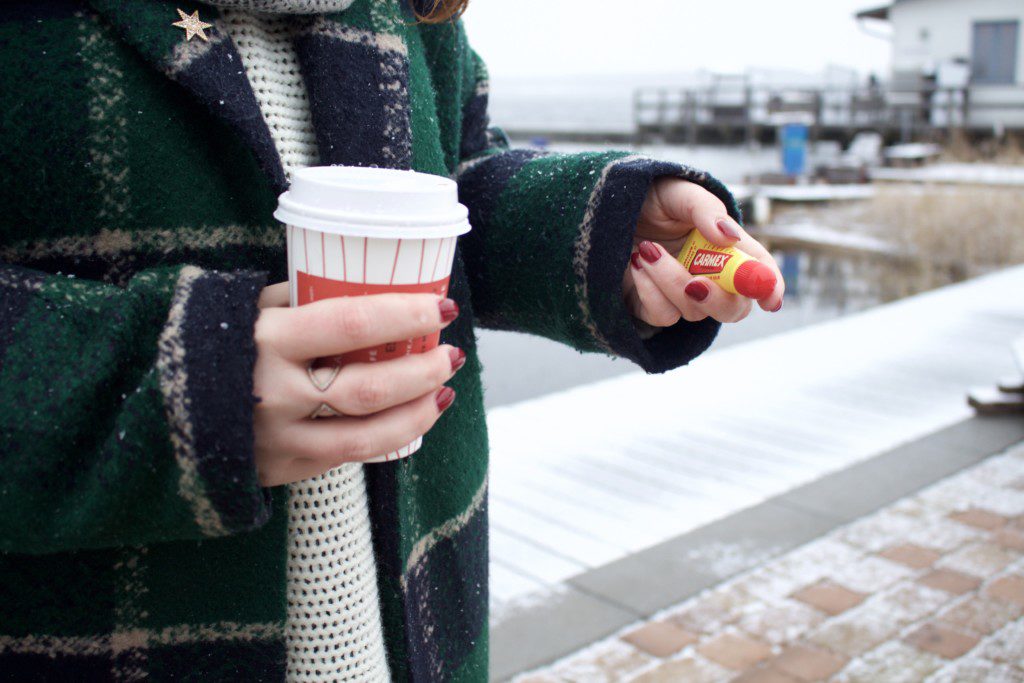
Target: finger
pixel 275 295
pixel 652 306
pixel 368 388
pixel 350 439
pixel 334 326
pixel 715 302
pixel 671 279
pixel 697 207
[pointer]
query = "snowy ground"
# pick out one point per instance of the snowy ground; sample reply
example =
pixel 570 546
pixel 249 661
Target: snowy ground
pixel 588 475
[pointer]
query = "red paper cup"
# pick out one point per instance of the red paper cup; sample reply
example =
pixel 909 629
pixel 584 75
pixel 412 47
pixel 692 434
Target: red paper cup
pixel 359 231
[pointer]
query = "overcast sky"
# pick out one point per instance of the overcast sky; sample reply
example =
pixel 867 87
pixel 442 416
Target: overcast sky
pixel 571 37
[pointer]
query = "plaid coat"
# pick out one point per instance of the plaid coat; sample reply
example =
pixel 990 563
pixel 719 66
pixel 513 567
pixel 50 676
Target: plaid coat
pixel 138 181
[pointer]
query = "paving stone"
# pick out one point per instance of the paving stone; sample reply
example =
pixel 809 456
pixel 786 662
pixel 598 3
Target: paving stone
pixel 942 640
pixel 1010 539
pixel 975 670
pixel 943 534
pixel 808 663
pixel 908 602
pixel 877 531
pixel 980 518
pixel 538 678
pixel 770 583
pixel 781 622
pixel 1006 645
pixel 870 574
pixel 893 662
pixel 765 675
pixel 829 597
pixel 735 650
pixel 606 662
pixel 953 494
pixel 712 611
pixel 911 555
pixel 978 614
pixel 690 668
pixel 660 638
pixel 950 581
pixel 853 633
pixel 979 559
pixel 1009 588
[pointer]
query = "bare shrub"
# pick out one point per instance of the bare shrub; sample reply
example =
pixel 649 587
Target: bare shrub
pixel 952 233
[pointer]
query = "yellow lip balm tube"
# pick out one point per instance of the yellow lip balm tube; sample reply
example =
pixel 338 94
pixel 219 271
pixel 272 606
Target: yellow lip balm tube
pixel 728 267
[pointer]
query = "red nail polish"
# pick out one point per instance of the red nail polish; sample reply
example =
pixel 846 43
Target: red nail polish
pixel 458 357
pixel 698 291
pixel 444 398
pixel 449 310
pixel 635 260
pixel 779 307
pixel 649 252
pixel 726 226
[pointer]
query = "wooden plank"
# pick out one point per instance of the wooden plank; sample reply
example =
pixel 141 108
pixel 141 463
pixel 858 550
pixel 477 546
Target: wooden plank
pixel 530 559
pixel 584 549
pixel 507 584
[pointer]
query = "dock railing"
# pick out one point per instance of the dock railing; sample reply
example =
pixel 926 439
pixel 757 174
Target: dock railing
pixel 732 112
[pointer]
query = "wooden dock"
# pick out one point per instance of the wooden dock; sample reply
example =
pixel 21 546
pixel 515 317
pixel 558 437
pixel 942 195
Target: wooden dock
pixel 589 475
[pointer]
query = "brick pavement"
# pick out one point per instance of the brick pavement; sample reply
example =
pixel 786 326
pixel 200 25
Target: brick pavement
pixel 929 589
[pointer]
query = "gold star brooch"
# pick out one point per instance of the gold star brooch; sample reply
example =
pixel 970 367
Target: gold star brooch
pixel 193 25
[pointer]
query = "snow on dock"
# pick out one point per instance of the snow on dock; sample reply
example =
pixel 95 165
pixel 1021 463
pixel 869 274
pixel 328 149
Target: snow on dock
pixel 586 476
pixel 955 174
pixel 821 192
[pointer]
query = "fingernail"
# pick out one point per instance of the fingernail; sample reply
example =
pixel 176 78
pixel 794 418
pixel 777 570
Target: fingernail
pixel 458 357
pixel 635 260
pixel 728 229
pixel 449 310
pixel 444 398
pixel 649 252
pixel 698 291
pixel 779 307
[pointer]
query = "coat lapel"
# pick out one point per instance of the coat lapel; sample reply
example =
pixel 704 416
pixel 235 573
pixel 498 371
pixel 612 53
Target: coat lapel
pixel 356 68
pixel 212 71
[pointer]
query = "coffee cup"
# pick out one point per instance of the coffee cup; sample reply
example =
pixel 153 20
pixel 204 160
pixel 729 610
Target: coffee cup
pixel 356 231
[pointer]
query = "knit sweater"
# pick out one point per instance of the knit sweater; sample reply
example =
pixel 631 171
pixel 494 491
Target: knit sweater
pixel 333 630
pixel 136 541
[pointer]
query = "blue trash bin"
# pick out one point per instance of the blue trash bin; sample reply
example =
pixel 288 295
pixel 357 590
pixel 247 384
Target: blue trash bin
pixel 793 138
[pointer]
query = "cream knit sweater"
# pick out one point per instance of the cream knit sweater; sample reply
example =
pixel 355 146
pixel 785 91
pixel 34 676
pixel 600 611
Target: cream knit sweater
pixel 334 630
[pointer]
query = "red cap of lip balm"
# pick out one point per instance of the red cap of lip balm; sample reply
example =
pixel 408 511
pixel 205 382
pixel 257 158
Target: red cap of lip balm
pixel 754 279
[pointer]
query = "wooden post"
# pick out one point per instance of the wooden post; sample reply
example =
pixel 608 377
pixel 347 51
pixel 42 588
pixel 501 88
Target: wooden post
pixel 691 117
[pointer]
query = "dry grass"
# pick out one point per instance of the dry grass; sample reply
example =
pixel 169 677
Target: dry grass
pixel 1006 150
pixel 957 233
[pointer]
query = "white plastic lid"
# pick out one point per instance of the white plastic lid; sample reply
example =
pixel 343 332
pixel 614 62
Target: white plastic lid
pixel 373 202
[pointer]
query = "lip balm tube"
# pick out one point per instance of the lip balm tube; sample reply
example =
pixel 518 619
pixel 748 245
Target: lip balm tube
pixel 728 267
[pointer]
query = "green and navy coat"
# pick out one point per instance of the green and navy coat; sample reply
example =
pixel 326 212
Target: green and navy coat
pixel 138 182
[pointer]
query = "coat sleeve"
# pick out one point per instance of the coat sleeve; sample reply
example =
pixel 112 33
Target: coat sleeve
pixel 126 413
pixel 552 235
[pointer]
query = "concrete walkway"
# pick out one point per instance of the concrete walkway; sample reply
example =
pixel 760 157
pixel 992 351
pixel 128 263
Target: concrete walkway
pixel 930 588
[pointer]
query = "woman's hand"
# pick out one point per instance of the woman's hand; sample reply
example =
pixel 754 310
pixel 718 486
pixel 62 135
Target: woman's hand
pixel 383 405
pixel 657 288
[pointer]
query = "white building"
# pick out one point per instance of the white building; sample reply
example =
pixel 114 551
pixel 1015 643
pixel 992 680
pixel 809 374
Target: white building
pixel 970 47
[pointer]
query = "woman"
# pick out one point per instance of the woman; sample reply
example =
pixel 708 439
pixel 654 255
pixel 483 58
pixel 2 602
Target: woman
pixel 156 396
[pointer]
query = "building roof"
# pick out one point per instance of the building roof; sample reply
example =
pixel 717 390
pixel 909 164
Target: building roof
pixel 875 13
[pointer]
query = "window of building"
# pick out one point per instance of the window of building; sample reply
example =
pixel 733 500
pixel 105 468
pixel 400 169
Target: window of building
pixel 994 60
